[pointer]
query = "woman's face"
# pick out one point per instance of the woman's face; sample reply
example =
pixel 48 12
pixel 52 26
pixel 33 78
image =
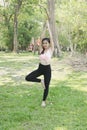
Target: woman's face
pixel 45 44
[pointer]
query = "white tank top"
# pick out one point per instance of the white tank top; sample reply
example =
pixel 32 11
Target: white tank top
pixel 45 59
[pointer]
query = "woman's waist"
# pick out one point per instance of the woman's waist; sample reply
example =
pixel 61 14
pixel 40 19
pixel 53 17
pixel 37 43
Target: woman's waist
pixel 44 65
pixel 45 62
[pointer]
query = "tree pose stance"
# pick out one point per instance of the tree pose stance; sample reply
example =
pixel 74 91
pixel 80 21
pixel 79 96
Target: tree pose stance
pixel 44 67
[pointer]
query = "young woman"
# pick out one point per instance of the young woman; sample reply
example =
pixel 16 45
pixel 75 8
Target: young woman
pixel 44 68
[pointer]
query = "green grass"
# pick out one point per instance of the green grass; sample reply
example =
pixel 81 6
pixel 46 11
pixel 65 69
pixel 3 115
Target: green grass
pixel 20 101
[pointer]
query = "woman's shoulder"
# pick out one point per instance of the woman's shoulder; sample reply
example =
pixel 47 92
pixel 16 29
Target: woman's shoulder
pixel 51 50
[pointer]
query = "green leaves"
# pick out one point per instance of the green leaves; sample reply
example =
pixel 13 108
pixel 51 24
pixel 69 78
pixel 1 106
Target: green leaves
pixel 72 17
pixel 71 20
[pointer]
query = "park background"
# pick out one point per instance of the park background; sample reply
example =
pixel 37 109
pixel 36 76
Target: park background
pixel 22 24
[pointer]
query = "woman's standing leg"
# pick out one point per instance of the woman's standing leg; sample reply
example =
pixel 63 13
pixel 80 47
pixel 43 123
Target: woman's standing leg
pixel 47 78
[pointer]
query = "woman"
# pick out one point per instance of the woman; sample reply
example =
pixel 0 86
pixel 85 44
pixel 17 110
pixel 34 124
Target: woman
pixel 44 67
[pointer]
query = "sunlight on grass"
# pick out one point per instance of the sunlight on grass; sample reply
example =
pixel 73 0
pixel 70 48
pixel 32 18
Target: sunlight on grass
pixel 78 81
pixel 3 71
pixel 1 83
pixel 6 80
pixel 60 128
pixel 60 71
pixel 60 75
pixel 80 89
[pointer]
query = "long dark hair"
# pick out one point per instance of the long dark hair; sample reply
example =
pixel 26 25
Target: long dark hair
pixel 45 39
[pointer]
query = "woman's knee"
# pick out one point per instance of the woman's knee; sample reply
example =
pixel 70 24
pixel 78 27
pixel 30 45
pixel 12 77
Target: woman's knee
pixel 27 78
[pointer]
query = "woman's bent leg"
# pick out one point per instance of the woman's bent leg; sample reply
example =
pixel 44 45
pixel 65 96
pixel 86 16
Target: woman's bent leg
pixel 33 76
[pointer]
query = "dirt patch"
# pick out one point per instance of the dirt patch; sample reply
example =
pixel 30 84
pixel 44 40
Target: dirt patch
pixel 77 62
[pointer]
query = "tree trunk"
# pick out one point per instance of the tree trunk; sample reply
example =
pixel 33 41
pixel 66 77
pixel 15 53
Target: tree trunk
pixel 51 11
pixel 16 11
pixel 15 41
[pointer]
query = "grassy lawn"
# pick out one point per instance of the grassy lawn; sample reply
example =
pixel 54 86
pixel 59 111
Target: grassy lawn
pixel 20 101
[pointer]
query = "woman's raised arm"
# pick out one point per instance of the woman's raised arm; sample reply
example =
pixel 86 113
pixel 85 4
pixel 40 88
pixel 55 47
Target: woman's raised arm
pixel 51 38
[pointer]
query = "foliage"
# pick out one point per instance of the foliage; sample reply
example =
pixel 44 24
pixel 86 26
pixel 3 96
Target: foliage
pixel 29 23
pixel 71 21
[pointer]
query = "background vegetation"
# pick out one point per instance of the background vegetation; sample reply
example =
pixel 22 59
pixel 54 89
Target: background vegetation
pixel 20 101
pixel 71 23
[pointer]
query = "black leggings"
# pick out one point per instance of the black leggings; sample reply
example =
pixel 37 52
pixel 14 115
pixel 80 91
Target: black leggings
pixel 44 70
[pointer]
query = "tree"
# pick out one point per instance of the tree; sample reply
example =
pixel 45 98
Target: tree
pixel 71 21
pixel 50 17
pixel 52 22
pixel 6 28
pixel 17 7
pixel 19 22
